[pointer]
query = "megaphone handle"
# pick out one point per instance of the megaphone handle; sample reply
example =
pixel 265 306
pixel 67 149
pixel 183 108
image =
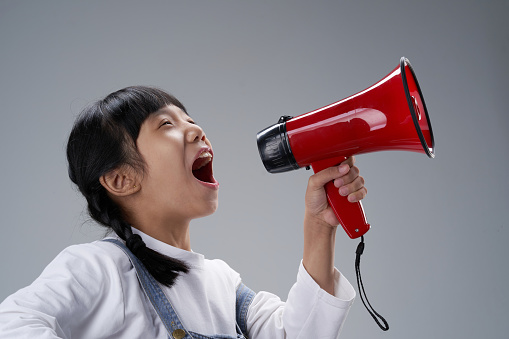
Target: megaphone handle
pixel 350 214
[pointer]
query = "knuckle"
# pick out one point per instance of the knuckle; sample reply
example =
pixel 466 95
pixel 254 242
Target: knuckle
pixel 311 180
pixel 352 175
pixel 315 180
pixel 359 185
pixel 348 161
pixel 355 170
pixel 362 181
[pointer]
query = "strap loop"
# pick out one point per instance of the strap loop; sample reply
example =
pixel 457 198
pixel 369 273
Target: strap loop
pixel 376 316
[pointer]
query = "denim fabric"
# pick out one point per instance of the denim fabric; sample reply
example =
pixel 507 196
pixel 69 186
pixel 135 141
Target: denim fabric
pixel 244 298
pixel 166 312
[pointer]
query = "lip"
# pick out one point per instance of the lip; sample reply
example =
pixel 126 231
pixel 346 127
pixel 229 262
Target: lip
pixel 214 184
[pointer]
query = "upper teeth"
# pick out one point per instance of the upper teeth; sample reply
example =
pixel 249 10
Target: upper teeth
pixel 205 154
pixel 205 157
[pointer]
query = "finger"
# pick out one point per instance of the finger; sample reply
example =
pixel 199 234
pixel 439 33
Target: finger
pixel 318 180
pixel 358 195
pixel 349 177
pixel 352 187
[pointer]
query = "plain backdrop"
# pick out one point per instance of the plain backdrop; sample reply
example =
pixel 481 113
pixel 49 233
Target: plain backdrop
pixel 435 263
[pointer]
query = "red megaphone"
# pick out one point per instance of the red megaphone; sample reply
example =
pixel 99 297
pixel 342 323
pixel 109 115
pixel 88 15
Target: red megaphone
pixel 390 115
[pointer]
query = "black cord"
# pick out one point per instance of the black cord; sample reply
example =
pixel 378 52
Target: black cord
pixel 376 316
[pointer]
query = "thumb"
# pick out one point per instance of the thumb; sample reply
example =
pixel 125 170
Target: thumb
pixel 318 180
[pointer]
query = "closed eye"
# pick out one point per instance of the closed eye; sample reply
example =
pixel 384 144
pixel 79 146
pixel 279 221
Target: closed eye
pixel 166 122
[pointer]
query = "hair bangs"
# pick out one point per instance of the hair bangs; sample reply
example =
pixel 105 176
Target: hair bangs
pixel 130 106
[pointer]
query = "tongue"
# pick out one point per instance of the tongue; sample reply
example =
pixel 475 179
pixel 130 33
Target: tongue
pixel 200 162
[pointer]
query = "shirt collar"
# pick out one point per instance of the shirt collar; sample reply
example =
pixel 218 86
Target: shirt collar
pixel 190 257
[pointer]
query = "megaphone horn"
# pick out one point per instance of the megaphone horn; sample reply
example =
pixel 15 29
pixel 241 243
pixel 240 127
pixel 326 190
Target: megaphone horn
pixel 390 115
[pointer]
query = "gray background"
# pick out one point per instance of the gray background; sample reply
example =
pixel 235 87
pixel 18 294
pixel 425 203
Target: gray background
pixel 435 261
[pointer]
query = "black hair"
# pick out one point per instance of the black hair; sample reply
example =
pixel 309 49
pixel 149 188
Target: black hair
pixel 103 138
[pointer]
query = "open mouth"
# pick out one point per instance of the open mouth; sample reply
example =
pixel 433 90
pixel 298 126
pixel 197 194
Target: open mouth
pixel 202 168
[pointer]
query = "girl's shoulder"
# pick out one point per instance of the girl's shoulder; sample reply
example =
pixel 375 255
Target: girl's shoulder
pixel 98 261
pixel 221 270
pixel 81 284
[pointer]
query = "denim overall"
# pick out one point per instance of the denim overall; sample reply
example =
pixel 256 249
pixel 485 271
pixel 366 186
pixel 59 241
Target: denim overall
pixel 168 315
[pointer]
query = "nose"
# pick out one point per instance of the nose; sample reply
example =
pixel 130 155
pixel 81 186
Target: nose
pixel 194 133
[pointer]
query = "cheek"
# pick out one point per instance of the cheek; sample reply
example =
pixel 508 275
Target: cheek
pixel 168 175
pixel 166 162
pixel 163 180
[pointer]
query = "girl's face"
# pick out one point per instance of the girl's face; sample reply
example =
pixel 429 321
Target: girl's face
pixel 178 183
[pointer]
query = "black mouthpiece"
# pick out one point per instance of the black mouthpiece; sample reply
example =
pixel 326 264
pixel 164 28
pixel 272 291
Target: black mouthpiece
pixel 274 148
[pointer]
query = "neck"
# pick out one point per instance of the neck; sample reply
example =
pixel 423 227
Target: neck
pixel 170 228
pixel 172 232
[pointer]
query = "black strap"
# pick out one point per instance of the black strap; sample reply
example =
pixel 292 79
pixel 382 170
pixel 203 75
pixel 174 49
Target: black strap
pixel 362 292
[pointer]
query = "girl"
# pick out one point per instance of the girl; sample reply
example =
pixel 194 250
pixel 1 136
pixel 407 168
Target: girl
pixel 145 169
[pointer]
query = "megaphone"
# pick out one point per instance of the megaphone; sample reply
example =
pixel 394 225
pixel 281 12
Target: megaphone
pixel 390 115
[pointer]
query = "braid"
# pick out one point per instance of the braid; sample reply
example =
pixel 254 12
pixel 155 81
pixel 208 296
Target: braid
pixel 163 268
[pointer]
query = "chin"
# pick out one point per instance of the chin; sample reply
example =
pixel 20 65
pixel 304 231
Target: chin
pixel 213 208
pixel 208 210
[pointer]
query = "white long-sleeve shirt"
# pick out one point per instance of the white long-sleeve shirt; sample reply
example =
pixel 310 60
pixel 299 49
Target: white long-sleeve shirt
pixel 92 291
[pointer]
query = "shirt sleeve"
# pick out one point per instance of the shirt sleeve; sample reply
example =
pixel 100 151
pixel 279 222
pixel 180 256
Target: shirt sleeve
pixel 309 312
pixel 73 289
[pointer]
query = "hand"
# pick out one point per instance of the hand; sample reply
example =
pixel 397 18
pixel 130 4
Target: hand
pixel 349 183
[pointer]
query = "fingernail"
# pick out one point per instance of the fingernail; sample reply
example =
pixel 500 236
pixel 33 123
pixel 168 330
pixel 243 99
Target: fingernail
pixel 338 183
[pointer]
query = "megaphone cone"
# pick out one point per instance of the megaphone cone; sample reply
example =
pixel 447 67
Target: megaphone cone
pixel 390 115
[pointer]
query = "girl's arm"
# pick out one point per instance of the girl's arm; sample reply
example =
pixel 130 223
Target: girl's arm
pixel 79 294
pixel 320 222
pixel 319 302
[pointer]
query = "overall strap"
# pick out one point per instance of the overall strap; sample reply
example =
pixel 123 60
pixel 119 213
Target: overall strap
pixel 244 298
pixel 156 295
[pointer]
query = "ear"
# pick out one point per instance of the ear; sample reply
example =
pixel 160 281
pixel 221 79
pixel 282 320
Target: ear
pixel 120 182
